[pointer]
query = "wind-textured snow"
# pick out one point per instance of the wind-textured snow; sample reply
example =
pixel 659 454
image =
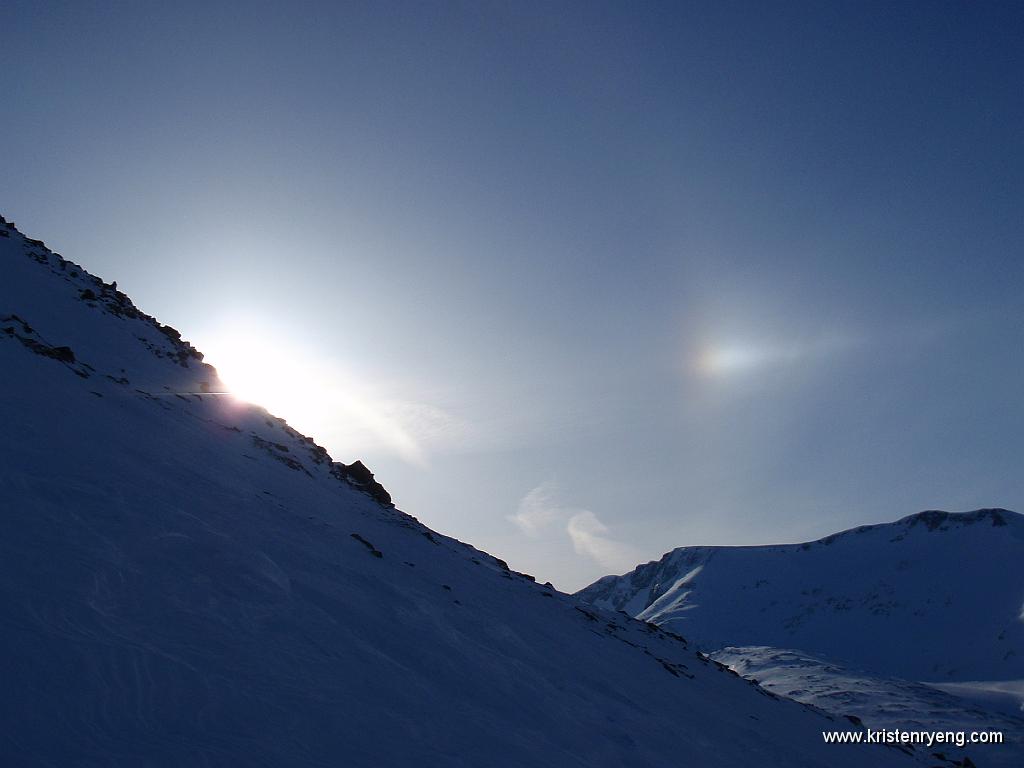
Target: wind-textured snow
pixel 186 581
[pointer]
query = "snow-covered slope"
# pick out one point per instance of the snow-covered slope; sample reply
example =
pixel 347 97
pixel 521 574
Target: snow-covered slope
pixel 184 580
pixel 880 702
pixel 934 596
pixel 885 702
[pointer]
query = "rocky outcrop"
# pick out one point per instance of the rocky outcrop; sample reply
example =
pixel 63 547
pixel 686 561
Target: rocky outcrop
pixel 357 475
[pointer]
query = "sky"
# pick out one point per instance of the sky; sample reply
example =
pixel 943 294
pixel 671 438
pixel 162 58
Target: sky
pixel 580 282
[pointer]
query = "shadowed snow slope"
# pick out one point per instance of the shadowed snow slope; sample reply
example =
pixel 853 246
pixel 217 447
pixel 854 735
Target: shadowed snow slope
pixel 184 580
pixel 934 596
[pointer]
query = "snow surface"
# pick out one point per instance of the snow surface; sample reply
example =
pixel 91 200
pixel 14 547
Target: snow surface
pixel 1005 696
pixel 185 580
pixel 880 702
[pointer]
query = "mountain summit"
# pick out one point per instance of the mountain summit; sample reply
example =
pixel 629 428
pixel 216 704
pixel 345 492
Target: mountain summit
pixel 933 596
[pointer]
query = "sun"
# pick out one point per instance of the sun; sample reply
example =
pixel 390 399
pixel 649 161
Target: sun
pixel 309 391
pixel 264 371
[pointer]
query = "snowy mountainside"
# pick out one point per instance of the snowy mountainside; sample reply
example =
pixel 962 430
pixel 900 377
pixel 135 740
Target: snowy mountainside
pixel 934 596
pixel 879 702
pixel 185 580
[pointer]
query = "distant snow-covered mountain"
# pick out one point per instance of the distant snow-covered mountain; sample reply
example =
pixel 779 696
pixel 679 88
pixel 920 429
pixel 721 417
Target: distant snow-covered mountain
pixel 186 580
pixel 934 596
pixel 855 622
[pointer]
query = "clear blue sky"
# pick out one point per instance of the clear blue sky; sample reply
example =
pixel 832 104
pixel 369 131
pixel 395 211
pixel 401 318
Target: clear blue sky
pixel 581 282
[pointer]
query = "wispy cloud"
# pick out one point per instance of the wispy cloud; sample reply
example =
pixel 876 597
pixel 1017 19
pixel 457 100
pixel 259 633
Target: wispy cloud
pixel 413 430
pixel 590 537
pixel 540 512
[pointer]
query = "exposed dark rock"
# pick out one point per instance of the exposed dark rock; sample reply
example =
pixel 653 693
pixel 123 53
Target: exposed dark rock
pixel 64 354
pixel 172 333
pixel 358 472
pixel 934 519
pixel 590 616
pixel 357 475
pixel 373 550
pixel 277 450
pixel 31 340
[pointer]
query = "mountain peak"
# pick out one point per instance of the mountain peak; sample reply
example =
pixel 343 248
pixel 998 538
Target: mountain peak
pixel 910 581
pixel 935 519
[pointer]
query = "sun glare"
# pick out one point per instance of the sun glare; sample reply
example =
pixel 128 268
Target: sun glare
pixel 730 359
pixel 312 395
pixel 266 376
pixel 716 361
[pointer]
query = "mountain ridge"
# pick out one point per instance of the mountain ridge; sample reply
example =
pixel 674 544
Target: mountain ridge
pixel 107 299
pixel 834 594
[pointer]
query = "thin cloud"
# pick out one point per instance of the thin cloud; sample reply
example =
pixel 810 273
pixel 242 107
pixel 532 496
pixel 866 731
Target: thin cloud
pixel 589 537
pixel 538 510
